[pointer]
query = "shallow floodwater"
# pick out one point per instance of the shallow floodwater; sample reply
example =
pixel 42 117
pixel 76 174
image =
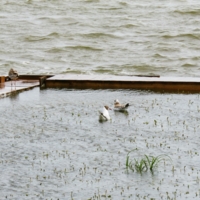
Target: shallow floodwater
pixel 54 147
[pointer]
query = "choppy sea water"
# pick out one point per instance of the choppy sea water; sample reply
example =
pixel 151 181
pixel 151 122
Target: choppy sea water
pixel 100 37
pixel 52 145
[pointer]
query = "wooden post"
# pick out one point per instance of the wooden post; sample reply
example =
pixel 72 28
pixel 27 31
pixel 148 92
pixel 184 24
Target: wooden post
pixel 2 79
pixel 42 80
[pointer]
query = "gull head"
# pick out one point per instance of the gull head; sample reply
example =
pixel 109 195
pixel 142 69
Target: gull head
pixel 107 108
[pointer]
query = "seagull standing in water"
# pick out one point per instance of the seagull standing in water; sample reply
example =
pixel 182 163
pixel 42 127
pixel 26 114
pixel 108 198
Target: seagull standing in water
pixel 13 75
pixel 119 106
pixel 104 114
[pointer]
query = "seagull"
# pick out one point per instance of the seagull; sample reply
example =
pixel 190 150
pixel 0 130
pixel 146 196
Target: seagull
pixel 13 75
pixel 104 114
pixel 119 106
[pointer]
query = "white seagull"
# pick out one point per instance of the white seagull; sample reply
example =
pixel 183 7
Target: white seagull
pixel 13 75
pixel 104 114
pixel 119 106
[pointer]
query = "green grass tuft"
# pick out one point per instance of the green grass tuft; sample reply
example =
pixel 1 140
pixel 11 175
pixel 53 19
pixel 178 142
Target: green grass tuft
pixel 141 166
pixel 154 161
pixel 145 163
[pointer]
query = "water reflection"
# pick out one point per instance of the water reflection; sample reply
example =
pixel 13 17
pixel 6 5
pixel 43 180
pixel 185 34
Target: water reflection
pixel 117 112
pixel 14 96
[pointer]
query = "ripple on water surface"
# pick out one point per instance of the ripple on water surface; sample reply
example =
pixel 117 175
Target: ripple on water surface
pixel 53 37
pixel 53 146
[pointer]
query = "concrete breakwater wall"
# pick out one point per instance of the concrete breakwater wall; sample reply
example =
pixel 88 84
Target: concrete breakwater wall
pixel 80 81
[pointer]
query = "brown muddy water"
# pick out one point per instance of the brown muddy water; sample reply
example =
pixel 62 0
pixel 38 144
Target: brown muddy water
pixel 121 37
pixel 52 145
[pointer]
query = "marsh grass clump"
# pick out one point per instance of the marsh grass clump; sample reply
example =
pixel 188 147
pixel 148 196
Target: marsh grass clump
pixel 141 165
pixel 145 163
pixel 154 161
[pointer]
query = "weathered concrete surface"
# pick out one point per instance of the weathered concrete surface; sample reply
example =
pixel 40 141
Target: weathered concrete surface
pixel 165 84
pixel 8 87
pixel 79 81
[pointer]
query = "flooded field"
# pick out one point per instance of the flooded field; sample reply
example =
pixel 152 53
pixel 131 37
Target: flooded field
pixel 53 146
